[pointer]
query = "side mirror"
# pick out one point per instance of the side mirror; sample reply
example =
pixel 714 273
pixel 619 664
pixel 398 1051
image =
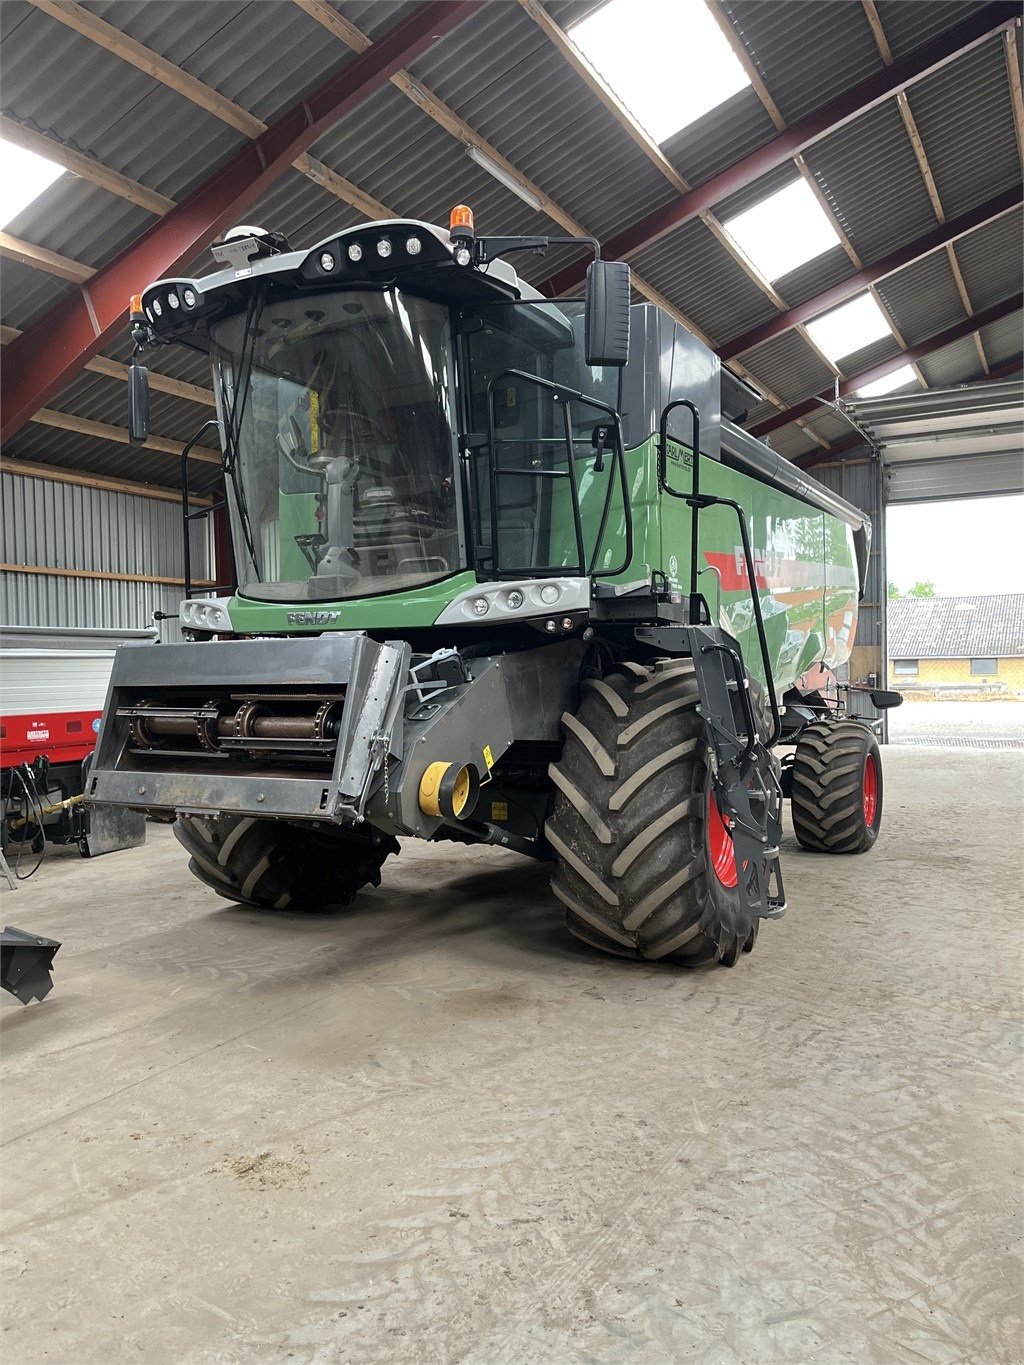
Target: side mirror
pixel 607 319
pixel 882 700
pixel 138 404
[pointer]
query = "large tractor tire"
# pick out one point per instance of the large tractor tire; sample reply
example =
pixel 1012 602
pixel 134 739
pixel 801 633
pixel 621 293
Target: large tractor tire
pixel 836 788
pixel 644 863
pixel 275 866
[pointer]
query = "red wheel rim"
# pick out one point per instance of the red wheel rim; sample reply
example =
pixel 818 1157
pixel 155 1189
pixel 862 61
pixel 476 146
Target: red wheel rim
pixel 720 845
pixel 870 790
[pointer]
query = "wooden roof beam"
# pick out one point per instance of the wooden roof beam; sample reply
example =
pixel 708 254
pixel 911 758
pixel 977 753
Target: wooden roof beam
pixel 113 369
pixel 57 474
pixel 85 167
pixel 103 431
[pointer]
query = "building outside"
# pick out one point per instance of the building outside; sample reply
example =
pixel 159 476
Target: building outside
pixel 958 648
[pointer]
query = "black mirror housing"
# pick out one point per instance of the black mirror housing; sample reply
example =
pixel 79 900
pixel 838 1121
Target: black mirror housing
pixel 138 404
pixel 607 319
pixel 882 699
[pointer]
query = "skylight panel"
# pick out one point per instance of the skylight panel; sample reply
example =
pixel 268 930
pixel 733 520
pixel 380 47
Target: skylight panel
pixel 784 230
pixel 666 60
pixel 849 327
pixel 896 380
pixel 23 177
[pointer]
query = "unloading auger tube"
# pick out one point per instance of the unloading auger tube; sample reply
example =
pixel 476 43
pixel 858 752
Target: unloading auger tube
pixel 506 570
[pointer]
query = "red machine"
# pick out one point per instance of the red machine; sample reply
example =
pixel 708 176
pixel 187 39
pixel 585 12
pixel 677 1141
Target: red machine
pixel 52 688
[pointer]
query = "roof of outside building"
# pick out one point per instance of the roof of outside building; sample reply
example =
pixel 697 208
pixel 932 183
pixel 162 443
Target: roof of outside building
pixel 990 626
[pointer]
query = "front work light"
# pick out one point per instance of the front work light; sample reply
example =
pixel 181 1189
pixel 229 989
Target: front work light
pixel 355 252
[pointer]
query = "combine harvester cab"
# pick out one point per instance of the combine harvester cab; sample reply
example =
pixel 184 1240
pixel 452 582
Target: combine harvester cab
pixel 507 572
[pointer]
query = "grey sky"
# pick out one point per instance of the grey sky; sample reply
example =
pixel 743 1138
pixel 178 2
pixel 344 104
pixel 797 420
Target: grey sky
pixel 972 546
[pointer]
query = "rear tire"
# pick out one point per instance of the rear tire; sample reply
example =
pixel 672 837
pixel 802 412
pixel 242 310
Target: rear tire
pixel 837 788
pixel 276 866
pixel 630 829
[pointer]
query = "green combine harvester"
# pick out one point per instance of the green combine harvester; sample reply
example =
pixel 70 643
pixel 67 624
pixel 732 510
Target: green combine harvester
pixel 508 573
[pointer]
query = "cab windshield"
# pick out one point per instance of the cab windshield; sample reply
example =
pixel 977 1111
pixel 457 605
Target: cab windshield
pixel 340 433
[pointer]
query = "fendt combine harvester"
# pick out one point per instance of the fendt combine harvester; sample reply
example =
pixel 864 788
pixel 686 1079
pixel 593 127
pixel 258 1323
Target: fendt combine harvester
pixel 487 591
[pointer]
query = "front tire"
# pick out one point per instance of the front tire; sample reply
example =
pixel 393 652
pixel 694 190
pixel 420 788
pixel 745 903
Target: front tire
pixel 271 865
pixel 837 788
pixel 641 867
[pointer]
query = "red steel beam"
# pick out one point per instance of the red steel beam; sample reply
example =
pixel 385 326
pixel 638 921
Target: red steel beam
pixel 47 355
pixel 924 60
pixel 931 241
pixel 908 357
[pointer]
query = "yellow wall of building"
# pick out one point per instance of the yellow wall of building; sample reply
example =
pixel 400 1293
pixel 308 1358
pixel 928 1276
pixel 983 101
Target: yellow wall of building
pixel 938 673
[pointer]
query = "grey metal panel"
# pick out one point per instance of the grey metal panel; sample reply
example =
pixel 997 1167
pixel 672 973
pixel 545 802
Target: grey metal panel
pixel 41 600
pixel 693 269
pixel 965 119
pixel 968 477
pixel 57 525
pixel 870 176
pixel 923 299
pixel 789 366
pixel 807 54
pixel 991 260
pixel 1003 340
pixel 958 363
pixel 67 526
pixel 374 17
pixel 102 399
pixel 907 25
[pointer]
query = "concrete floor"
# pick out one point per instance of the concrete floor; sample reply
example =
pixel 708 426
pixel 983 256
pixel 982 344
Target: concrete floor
pixel 435 1129
pixel 984 724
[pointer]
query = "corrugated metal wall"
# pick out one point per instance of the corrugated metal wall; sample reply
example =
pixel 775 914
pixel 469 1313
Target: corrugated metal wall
pixel 66 526
pixel 860 482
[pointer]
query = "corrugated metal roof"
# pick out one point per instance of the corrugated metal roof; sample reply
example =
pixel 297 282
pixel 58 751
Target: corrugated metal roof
pixel 958 363
pixel 695 271
pixel 923 299
pixel 216 44
pixel 511 85
pixel 807 54
pixel 857 362
pixel 790 366
pixel 814 276
pixel 991 260
pixel 769 183
pixel 502 75
pixel 965 119
pixel 725 134
pixel 793 441
pixel 871 178
pixel 27 294
pixel 110 109
pixel 1004 340
pixel 907 25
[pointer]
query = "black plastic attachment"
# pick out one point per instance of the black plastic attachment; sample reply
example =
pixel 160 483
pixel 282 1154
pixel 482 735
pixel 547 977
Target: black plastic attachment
pixel 607 313
pixel 138 404
pixel 25 962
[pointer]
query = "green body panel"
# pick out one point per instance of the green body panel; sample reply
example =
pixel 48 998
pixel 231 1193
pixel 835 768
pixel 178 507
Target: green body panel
pixel 393 611
pixel 804 561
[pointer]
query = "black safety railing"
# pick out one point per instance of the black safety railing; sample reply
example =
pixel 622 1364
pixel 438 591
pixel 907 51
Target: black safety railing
pixel 564 397
pixel 697 502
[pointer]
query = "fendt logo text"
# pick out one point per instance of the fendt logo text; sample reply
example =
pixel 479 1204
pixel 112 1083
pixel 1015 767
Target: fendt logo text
pixel 312 618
